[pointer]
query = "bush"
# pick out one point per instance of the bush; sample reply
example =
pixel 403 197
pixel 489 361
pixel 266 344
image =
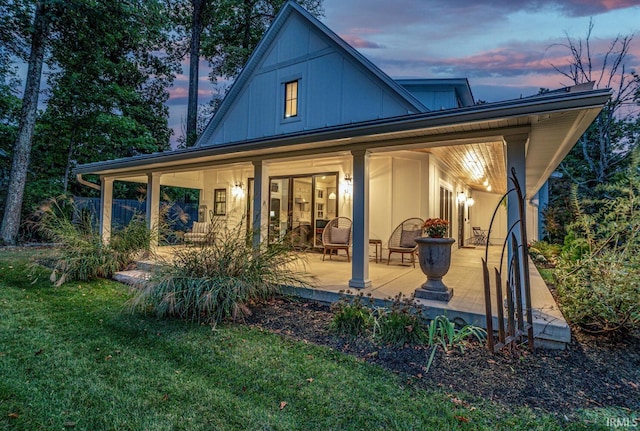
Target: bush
pixel 216 280
pixel 598 276
pixel 601 293
pixel 543 253
pixel 350 315
pixel 83 255
pixel 402 323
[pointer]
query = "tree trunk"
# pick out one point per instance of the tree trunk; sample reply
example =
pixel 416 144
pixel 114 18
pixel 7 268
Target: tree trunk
pixel 194 67
pixel 22 148
pixel 67 169
pixel 246 39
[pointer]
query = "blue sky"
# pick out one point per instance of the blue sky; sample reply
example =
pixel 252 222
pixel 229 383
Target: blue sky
pixel 505 48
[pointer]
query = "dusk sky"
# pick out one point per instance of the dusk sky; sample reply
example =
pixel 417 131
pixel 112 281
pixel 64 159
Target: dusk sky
pixel 505 48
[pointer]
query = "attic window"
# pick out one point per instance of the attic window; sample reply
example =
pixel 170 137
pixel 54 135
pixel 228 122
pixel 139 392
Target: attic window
pixel 291 99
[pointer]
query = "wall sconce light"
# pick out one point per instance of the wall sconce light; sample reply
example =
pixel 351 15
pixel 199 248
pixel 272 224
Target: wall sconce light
pixel 238 190
pixel 348 179
pixel 332 195
pixel 470 202
pixel 461 197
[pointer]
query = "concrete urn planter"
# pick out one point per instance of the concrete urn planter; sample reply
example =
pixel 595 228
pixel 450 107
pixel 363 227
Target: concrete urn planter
pixel 434 255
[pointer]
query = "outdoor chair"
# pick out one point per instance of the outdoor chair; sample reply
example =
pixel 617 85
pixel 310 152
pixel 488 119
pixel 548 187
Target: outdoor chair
pixel 337 236
pixel 402 240
pixel 200 232
pixel 479 236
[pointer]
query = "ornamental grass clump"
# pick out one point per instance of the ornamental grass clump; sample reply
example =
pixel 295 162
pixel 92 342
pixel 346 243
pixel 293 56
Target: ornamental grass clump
pixel 82 253
pixel 216 280
pixel 436 227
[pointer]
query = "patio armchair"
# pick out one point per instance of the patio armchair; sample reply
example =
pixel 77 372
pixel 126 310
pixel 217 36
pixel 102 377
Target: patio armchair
pixel 402 240
pixel 337 236
pixel 479 236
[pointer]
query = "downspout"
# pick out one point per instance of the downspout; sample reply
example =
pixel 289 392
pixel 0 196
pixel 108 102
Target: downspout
pixel 87 183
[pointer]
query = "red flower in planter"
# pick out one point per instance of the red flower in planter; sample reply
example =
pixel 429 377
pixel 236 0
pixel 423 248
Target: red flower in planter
pixel 436 227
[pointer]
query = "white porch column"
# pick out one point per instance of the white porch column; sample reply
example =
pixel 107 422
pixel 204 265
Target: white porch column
pixel 516 158
pixel 360 259
pixel 106 203
pixel 260 207
pixel 153 206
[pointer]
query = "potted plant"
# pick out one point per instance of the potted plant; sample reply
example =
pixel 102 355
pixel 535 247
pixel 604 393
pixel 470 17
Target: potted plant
pixel 434 254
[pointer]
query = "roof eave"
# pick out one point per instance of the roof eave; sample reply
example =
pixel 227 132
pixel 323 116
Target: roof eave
pixel 490 111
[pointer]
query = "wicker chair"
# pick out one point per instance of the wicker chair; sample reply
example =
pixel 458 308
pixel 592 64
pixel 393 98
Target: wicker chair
pixel 402 240
pixel 337 236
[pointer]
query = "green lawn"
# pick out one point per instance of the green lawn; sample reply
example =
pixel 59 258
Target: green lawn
pixel 74 358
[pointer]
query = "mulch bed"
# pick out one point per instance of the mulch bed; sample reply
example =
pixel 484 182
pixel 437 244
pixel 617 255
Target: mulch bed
pixel 591 372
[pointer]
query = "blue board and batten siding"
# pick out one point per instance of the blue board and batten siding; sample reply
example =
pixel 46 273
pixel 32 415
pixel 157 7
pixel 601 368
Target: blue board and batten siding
pixel 334 89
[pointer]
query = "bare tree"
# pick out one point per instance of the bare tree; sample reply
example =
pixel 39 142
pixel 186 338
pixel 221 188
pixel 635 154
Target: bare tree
pixel 609 141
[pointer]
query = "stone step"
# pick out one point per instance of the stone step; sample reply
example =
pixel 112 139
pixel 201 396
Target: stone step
pixel 147 265
pixel 132 277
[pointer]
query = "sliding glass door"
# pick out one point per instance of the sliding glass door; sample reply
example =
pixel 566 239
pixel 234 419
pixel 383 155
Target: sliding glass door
pixel 300 206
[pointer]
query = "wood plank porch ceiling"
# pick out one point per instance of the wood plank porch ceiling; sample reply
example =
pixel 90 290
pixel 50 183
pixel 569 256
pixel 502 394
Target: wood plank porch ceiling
pixel 479 165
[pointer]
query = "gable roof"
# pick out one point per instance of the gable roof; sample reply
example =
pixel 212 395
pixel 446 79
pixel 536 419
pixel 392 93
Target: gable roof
pixel 290 9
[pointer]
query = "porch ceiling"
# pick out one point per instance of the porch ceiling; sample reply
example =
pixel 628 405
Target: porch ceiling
pixel 479 165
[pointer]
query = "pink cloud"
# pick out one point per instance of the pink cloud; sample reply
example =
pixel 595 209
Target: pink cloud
pixel 358 42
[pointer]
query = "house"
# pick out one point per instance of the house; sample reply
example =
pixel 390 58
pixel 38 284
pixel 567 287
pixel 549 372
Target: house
pixel 311 130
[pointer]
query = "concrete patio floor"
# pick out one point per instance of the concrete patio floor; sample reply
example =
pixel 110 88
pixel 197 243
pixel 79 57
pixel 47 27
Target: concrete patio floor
pixel 331 277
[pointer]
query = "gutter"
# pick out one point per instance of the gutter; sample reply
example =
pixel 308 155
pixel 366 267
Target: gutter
pixel 87 183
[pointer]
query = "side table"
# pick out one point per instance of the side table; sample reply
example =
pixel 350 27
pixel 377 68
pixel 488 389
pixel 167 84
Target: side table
pixel 376 242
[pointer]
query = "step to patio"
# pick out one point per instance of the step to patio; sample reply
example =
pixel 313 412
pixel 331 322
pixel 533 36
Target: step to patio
pixel 140 273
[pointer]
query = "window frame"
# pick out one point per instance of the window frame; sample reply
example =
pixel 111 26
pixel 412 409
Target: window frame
pixel 282 103
pixel 220 205
pixel 292 103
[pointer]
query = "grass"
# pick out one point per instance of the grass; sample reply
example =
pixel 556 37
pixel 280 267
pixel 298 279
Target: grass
pixel 72 358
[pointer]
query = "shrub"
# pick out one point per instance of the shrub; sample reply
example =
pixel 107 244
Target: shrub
pixel 402 323
pixel 598 276
pixel 601 293
pixel 216 280
pixel 83 255
pixel 351 315
pixel 544 253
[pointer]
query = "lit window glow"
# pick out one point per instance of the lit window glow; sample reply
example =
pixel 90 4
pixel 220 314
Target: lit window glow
pixel 291 99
